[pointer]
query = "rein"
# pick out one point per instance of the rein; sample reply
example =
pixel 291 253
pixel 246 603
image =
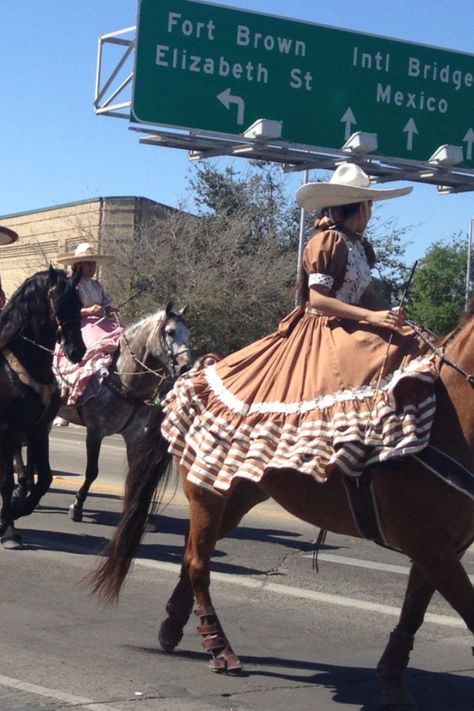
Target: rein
pixel 157 373
pixel 441 353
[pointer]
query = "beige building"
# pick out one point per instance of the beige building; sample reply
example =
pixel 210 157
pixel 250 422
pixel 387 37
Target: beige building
pixel 45 233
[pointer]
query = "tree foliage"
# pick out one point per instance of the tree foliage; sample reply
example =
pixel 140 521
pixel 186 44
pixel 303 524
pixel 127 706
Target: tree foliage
pixel 234 262
pixel 233 259
pixel 438 291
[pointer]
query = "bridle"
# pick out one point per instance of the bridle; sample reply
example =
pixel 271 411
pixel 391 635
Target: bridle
pixel 61 323
pixel 440 352
pixel 167 371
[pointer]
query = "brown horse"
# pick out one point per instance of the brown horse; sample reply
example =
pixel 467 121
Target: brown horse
pixel 421 515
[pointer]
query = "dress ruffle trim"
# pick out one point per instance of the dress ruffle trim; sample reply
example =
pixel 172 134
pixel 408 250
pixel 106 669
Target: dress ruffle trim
pixel 347 430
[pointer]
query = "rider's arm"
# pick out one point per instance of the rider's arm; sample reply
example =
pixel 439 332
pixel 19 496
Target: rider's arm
pixel 331 306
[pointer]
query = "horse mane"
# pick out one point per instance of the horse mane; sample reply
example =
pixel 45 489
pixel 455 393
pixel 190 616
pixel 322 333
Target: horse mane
pixel 28 307
pixel 463 320
pixel 467 313
pixel 137 327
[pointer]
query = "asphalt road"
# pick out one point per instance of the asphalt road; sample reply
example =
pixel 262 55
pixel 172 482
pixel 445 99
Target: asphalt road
pixel 309 641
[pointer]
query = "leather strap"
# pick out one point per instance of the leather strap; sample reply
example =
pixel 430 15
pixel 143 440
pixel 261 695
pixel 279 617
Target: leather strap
pixel 44 390
pixel 364 507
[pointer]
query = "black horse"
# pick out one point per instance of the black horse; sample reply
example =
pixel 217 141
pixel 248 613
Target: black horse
pixel 44 308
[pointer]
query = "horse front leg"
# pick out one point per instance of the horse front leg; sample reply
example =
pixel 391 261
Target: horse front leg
pixel 242 499
pixel 93 443
pixel 394 661
pixel 9 537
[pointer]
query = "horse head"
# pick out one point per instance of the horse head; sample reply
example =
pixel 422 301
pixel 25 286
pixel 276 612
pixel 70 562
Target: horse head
pixel 169 341
pixel 66 307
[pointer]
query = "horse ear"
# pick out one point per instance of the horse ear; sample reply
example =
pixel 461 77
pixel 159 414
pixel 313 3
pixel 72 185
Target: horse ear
pixel 169 309
pixel 53 275
pixel 184 311
pixel 76 276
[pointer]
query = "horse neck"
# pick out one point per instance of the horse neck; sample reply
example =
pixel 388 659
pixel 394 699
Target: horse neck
pixel 453 427
pixel 134 343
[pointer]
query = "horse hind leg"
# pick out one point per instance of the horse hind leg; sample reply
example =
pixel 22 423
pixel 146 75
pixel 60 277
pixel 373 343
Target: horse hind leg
pixel 242 499
pixel 206 510
pixel 93 442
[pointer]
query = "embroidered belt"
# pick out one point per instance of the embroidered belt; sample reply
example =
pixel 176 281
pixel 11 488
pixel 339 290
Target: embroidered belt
pixel 313 311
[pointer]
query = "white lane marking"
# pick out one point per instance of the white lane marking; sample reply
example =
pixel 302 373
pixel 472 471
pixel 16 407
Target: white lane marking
pixel 86 704
pixel 369 564
pixel 304 594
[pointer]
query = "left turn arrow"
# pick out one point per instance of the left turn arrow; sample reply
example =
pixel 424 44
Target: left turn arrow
pixel 226 98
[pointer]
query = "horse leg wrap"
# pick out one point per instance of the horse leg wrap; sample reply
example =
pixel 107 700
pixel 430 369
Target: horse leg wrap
pixel 396 656
pixel 391 668
pixel 215 642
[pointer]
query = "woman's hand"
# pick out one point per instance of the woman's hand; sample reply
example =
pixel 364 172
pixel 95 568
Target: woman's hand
pixel 94 310
pixel 391 318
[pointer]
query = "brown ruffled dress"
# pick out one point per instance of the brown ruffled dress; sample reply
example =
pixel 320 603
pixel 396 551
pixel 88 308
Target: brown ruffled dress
pixel 308 396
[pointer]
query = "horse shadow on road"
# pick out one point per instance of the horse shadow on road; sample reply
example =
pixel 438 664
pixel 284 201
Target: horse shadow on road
pixel 349 685
pixel 161 525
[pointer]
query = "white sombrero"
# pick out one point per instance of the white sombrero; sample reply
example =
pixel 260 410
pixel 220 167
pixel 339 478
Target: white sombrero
pixel 348 184
pixel 84 252
pixel 7 236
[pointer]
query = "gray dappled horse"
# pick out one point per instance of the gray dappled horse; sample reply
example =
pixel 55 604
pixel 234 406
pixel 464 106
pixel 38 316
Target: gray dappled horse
pixel 152 353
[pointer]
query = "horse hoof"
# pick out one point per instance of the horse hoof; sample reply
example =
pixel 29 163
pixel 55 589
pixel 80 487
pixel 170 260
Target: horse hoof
pixel 11 539
pixel 75 513
pixel 397 700
pixel 19 493
pixel 226 663
pixel 170 635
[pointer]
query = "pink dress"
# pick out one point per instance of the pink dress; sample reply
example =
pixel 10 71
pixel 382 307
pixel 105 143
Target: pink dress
pixel 101 337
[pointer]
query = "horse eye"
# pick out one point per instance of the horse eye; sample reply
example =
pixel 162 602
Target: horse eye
pixel 170 333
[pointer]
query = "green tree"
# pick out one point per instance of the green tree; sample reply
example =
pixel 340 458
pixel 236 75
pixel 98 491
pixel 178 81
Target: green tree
pixel 438 291
pixel 234 262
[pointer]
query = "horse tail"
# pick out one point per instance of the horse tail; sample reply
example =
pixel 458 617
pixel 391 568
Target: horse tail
pixel 149 468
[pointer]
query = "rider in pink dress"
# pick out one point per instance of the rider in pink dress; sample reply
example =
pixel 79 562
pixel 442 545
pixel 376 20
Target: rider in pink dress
pixel 100 330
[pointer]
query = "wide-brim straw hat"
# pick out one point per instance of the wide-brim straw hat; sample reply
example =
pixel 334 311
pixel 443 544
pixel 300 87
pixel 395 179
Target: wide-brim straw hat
pixel 349 184
pixel 7 236
pixel 84 252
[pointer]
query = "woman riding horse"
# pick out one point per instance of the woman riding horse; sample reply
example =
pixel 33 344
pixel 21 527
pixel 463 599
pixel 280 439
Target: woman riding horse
pixel 100 330
pixel 337 385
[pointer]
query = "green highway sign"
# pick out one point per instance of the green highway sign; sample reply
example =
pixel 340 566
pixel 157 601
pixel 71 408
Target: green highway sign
pixel 213 68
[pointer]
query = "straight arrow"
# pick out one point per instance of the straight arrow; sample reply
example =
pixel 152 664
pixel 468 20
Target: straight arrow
pixel 469 138
pixel 226 98
pixel 410 129
pixel 348 118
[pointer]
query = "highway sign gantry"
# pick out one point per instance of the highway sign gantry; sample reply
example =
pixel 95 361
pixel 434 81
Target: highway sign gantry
pixel 208 67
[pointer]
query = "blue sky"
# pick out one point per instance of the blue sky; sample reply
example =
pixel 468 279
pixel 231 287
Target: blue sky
pixel 54 149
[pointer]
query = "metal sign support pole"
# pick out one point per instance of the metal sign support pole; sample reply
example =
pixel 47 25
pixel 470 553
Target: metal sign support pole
pixel 301 237
pixel 468 268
